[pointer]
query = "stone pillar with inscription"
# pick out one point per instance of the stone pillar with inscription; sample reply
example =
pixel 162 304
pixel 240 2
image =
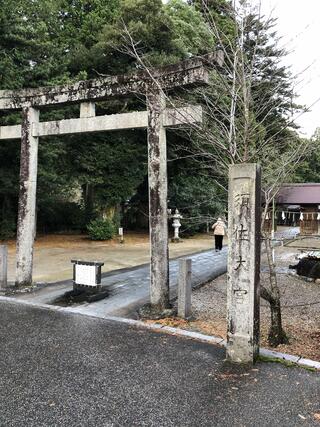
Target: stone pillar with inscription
pixel 243 293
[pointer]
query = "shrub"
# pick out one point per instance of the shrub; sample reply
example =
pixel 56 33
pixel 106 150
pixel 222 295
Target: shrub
pixel 101 229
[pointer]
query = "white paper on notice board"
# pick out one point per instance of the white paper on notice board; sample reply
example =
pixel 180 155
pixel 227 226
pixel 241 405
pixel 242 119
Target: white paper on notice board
pixel 85 275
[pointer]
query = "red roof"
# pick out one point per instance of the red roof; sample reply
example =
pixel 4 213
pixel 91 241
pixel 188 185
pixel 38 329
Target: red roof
pixel 299 194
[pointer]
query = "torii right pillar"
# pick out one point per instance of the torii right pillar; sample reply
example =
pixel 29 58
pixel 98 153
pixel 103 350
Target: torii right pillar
pixel 243 290
pixel 158 193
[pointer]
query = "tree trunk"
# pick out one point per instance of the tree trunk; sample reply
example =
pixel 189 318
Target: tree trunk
pixel 109 212
pixel 276 333
pixel 88 198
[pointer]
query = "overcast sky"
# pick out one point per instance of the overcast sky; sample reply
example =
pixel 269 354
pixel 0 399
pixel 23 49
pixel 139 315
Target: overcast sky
pixel 299 25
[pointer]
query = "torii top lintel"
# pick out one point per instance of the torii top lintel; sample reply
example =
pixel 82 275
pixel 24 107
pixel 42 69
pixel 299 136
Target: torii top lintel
pixel 190 72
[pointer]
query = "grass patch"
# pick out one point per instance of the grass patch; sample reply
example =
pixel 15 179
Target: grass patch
pixel 286 363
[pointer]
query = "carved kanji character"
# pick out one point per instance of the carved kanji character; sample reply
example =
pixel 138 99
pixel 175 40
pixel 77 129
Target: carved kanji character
pixel 240 263
pixel 241 233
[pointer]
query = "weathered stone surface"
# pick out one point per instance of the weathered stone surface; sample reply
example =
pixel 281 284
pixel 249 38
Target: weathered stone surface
pixel 10 132
pixel 3 266
pixel 243 263
pixel 87 109
pixel 88 124
pixel 158 192
pixel 186 73
pixel 184 288
pixel 27 198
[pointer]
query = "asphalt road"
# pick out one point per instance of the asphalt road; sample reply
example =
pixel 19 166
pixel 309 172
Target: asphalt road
pixel 61 369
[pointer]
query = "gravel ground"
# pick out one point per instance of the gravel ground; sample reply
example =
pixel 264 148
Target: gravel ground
pixel 300 309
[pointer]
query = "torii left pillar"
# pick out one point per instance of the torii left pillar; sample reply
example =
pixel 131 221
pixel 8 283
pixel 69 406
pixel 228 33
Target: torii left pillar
pixel 27 197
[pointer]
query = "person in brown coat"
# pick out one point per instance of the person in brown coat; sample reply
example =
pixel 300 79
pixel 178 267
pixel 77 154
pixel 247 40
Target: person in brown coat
pixel 219 230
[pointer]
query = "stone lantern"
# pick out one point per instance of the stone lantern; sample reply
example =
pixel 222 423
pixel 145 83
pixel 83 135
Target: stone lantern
pixel 176 225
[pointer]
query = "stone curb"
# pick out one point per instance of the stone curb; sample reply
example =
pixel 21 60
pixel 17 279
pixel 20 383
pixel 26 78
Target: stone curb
pixel 307 363
pixel 300 361
pixel 297 360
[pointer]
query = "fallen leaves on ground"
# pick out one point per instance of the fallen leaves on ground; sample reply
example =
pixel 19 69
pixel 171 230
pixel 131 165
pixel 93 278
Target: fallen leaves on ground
pixel 303 342
pixel 173 322
pixel 316 416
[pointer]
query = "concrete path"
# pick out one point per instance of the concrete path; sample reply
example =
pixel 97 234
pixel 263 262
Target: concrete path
pixel 63 369
pixel 129 289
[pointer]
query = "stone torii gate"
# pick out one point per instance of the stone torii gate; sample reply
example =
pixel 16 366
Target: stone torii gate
pixel 156 119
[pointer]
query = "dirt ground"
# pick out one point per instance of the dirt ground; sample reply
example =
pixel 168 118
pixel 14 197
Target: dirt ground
pixel 53 253
pixel 300 308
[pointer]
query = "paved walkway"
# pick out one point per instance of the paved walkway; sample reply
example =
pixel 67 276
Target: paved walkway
pixel 129 289
pixel 63 369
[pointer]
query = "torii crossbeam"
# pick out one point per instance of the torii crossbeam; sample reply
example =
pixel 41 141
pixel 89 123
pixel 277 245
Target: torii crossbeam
pixel 156 119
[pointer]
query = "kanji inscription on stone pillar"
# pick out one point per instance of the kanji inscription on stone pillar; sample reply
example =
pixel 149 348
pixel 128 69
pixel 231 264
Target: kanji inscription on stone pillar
pixel 243 292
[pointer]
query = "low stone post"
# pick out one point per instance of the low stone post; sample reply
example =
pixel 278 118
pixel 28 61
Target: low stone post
pixel 243 290
pixel 3 266
pixel 121 238
pixel 184 288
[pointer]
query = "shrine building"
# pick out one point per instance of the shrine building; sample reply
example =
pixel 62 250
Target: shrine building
pixel 299 205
